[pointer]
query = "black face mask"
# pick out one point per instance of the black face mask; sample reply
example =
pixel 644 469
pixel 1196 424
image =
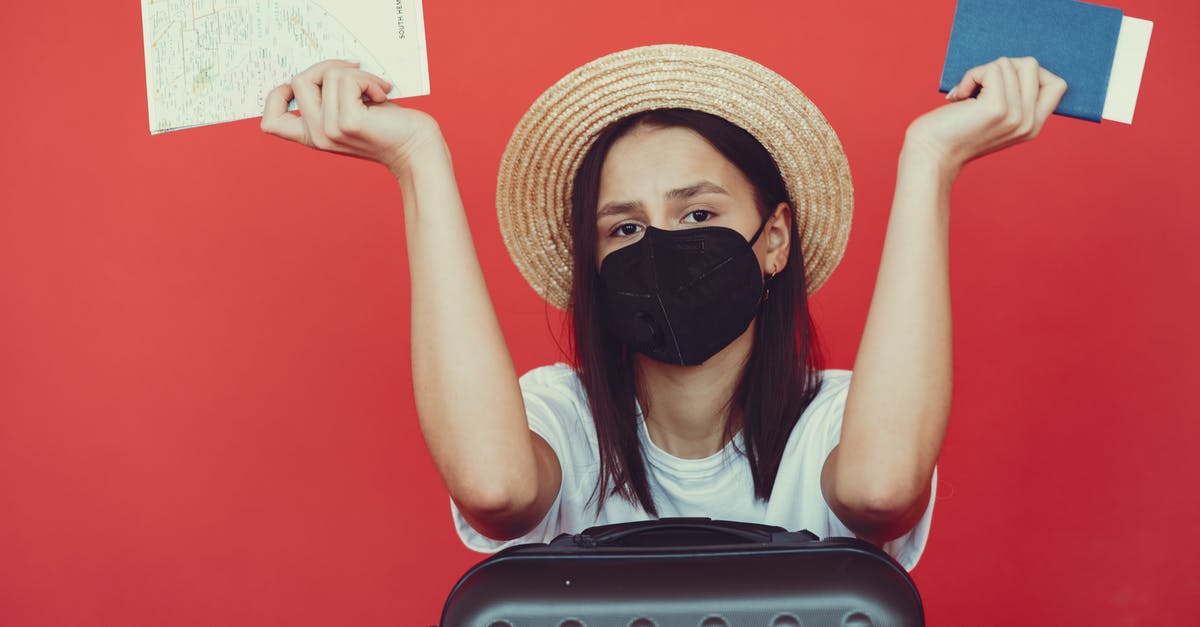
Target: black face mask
pixel 681 296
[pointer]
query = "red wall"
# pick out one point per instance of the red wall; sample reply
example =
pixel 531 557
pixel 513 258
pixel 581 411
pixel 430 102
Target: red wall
pixel 206 414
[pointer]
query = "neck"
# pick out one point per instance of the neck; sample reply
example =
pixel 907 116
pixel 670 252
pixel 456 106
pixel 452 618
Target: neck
pixel 687 407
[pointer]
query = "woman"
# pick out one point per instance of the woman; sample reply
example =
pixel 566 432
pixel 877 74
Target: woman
pixel 680 202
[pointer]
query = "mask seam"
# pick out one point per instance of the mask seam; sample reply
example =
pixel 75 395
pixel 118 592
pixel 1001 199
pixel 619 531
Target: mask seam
pixel 696 280
pixel 661 306
pixel 727 260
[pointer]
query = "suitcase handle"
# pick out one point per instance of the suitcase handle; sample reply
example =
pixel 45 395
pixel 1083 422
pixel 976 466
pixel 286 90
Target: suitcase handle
pixel 684 532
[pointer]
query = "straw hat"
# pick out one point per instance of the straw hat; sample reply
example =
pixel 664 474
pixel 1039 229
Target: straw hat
pixel 533 195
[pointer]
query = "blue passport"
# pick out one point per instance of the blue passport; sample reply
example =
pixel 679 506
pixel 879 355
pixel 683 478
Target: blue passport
pixel 1075 40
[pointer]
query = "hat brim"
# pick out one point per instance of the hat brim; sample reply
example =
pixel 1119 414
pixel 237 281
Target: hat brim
pixel 533 196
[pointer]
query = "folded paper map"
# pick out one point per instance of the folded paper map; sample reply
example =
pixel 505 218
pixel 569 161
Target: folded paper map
pixel 211 61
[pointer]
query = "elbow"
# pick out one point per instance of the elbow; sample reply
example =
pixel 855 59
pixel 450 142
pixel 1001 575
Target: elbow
pixel 888 499
pixel 496 509
pixel 883 511
pixel 494 499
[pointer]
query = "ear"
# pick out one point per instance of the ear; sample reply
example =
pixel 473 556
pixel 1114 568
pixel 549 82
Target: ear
pixel 778 237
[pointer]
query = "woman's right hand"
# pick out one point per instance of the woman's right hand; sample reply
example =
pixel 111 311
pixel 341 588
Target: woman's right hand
pixel 345 110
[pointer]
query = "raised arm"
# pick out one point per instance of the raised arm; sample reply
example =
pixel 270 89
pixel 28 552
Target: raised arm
pixel 877 480
pixel 502 476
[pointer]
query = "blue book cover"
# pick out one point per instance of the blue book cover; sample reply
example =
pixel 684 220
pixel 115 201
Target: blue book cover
pixel 1075 40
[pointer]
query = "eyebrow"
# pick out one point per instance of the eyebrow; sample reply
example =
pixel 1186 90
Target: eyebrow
pixel 703 187
pixel 681 193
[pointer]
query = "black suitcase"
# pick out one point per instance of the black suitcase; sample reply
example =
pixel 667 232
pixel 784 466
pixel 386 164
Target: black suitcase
pixel 686 572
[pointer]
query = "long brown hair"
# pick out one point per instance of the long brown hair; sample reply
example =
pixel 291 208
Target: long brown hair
pixel 782 375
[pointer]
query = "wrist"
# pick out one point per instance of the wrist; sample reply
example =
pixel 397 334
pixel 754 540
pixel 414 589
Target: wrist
pixel 425 175
pixel 922 157
pixel 422 150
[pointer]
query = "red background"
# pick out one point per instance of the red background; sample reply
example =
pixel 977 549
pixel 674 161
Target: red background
pixel 206 415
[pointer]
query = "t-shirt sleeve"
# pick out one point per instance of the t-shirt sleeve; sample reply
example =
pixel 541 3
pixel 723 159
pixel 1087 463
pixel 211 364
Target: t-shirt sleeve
pixel 550 406
pixel 906 549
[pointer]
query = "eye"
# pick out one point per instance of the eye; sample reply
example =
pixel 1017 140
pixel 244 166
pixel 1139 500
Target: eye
pixel 626 229
pixel 698 215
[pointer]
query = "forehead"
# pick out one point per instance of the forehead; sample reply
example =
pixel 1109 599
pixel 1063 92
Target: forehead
pixel 653 159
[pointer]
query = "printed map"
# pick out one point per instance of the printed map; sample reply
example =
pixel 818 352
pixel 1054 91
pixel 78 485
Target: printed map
pixel 211 61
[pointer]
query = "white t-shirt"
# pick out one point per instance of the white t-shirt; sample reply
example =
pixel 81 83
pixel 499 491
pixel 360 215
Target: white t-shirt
pixel 717 487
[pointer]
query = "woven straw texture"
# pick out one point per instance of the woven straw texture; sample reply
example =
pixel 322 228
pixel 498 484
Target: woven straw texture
pixel 533 195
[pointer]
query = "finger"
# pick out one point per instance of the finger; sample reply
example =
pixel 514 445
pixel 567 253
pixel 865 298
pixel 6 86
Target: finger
pixel 972 82
pixel 352 109
pixel 992 91
pixel 331 80
pixel 1051 90
pixel 342 101
pixel 972 79
pixel 1012 92
pixel 375 88
pixel 1027 75
pixel 378 90
pixel 307 88
pixel 984 78
pixel 276 120
pixel 308 100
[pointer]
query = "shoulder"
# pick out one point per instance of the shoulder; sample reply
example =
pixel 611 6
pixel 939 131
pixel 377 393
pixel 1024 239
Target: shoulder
pixel 557 384
pixel 554 375
pixel 833 383
pixel 831 398
pixel 821 422
pixel 556 406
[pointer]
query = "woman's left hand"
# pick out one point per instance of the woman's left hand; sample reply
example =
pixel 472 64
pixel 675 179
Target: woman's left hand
pixel 1015 98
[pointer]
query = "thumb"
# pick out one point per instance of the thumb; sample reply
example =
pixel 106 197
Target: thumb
pixel 966 87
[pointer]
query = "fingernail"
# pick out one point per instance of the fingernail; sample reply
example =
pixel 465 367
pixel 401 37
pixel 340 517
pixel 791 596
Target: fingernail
pixel 950 94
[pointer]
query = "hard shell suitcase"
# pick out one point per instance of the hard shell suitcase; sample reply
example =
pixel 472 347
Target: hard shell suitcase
pixel 686 572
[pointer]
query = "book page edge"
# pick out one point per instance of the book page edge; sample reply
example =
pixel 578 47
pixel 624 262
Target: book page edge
pixel 1133 45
